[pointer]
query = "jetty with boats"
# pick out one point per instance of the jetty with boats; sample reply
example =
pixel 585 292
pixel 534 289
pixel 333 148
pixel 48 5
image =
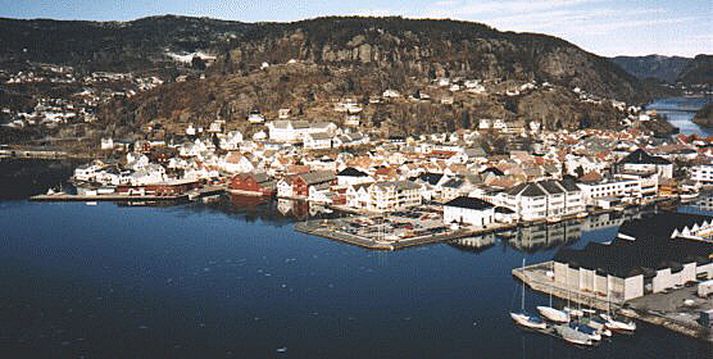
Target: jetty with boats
pixel 649 272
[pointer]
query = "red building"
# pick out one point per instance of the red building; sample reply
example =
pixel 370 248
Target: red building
pixel 302 183
pixel 255 184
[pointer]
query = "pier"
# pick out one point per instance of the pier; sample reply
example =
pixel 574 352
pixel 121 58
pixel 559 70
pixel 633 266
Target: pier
pixel 333 229
pixel 122 197
pixel 662 309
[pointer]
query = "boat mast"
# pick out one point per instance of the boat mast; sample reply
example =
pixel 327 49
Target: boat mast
pixel 522 301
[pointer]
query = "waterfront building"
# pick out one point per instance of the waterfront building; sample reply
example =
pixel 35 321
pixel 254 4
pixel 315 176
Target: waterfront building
pixel 468 210
pixel 393 196
pixel 620 188
pixel 384 196
pixel 648 255
pixel 256 184
pixel 542 200
pixel 702 174
pixel 298 186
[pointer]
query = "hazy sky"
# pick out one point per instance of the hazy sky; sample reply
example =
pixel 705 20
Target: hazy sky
pixel 605 27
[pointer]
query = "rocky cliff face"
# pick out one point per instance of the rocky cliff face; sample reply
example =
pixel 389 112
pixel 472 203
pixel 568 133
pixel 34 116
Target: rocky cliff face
pixel 699 71
pixel 334 57
pixel 431 48
pixel 411 47
pixel 662 68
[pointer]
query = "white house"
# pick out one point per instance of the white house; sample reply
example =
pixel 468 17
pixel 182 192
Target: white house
pixel 255 117
pixel 641 162
pixel 621 188
pixel 107 143
pixel 284 188
pixel 295 131
pixel 702 174
pixel 384 196
pixel 317 141
pixel 542 200
pixel 468 210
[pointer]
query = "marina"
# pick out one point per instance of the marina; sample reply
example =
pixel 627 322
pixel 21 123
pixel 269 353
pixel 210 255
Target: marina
pixel 250 252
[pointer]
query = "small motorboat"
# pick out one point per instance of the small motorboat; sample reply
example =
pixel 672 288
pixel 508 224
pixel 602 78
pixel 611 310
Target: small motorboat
pixel 553 314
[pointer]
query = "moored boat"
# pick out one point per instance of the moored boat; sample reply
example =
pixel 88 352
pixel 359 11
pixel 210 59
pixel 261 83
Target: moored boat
pixel 592 333
pixel 618 324
pixel 689 196
pixel 528 321
pixel 572 336
pixel 598 325
pixel 524 319
pixel 553 314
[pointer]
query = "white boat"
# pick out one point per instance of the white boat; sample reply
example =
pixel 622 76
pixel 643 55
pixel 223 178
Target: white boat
pixel 553 314
pixel 689 196
pixel 573 336
pixel 576 313
pixel 524 319
pixel 618 324
pixel 528 321
pixel 554 219
pixel 599 326
pixel 590 332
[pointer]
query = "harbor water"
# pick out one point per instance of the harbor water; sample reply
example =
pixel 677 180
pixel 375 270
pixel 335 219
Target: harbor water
pixel 231 278
pixel 680 111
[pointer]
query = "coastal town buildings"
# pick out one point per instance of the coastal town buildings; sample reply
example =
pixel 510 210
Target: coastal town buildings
pixel 468 210
pixel 648 255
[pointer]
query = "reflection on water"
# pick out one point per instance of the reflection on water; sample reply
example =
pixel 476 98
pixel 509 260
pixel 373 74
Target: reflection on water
pixel 679 111
pixel 545 236
pixel 231 278
pixel 20 178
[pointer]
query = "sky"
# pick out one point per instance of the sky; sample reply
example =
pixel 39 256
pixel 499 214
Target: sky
pixel 605 27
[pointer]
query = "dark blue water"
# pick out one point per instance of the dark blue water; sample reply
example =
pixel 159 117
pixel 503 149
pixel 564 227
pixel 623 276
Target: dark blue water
pixel 233 279
pixel 680 111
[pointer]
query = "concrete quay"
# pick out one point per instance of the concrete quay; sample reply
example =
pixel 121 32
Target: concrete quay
pixel 662 309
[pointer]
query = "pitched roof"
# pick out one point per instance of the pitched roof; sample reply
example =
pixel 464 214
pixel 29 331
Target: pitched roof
pixel 652 250
pixel 469 202
pixel 641 157
pixel 351 172
pixel 315 177
pixel 431 178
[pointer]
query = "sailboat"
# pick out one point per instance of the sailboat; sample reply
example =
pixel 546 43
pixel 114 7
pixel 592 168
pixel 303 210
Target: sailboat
pixel 552 314
pixel 616 324
pixel 592 333
pixel 524 319
pixel 596 323
pixel 573 336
